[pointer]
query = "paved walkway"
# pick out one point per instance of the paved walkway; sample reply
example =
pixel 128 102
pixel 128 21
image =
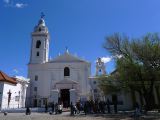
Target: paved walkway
pixel 66 116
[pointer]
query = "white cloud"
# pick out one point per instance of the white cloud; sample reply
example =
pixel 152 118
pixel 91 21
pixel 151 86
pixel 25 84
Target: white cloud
pixel 12 4
pixel 7 1
pixel 20 5
pixel 109 58
pixel 15 71
pixel 106 59
pixel 117 56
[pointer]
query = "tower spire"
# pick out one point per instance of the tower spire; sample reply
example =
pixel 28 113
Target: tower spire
pixel 42 15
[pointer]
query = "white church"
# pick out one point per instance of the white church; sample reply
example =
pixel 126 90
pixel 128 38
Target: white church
pixel 64 79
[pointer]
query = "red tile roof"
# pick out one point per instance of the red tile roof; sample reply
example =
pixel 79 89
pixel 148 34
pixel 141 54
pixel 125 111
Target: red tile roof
pixel 5 78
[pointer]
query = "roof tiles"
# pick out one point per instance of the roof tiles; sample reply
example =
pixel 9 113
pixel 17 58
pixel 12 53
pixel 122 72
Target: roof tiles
pixel 5 78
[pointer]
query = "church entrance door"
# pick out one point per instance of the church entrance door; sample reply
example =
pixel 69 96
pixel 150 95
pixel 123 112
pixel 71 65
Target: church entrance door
pixel 65 97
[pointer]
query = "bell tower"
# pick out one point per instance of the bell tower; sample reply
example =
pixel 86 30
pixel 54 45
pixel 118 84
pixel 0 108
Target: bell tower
pixel 100 67
pixel 40 43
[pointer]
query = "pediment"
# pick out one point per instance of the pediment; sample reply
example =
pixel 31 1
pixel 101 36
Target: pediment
pixel 67 57
pixel 66 81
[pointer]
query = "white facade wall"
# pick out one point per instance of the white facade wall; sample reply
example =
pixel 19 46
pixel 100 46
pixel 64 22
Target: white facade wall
pixel 14 89
pixel 52 72
pixel 1 92
pixel 43 50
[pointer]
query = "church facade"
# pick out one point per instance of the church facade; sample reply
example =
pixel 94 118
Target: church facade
pixel 64 79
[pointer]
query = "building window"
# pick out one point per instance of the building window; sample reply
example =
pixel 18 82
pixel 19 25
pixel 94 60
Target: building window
pixel 36 78
pixel 35 89
pixel 38 44
pixel 66 71
pixel 37 53
pixel 44 101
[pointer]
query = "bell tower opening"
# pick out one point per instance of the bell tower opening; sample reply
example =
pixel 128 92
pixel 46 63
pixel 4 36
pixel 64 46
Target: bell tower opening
pixel 100 67
pixel 38 44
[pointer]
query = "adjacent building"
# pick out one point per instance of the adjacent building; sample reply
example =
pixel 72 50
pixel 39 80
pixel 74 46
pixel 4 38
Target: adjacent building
pixel 12 91
pixel 122 98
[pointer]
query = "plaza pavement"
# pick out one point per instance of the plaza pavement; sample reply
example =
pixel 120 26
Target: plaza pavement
pixel 66 116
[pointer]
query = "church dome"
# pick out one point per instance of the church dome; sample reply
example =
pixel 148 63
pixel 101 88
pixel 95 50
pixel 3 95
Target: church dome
pixel 41 22
pixel 41 27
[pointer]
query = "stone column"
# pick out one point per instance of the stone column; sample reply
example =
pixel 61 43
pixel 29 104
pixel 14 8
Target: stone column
pixel 55 95
pixel 73 96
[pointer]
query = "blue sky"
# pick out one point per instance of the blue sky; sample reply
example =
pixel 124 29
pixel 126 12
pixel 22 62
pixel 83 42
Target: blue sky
pixel 82 25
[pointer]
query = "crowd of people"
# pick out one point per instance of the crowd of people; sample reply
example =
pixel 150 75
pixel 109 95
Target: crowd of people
pixel 91 107
pixel 87 107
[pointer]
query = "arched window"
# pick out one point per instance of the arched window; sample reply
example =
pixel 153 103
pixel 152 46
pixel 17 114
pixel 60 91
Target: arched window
pixel 39 29
pixel 36 78
pixel 38 44
pixel 66 71
pixel 37 53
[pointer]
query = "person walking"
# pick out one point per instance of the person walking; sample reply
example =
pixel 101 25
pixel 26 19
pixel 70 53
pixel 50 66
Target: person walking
pixel 56 108
pixel 46 107
pixel 28 111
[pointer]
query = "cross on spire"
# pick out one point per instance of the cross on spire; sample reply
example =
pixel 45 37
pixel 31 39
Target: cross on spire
pixel 42 15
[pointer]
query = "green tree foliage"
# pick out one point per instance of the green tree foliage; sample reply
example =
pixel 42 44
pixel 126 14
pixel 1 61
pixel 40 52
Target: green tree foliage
pixel 108 84
pixel 138 63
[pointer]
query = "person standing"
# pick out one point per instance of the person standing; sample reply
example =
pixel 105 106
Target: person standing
pixel 46 107
pixel 85 108
pixel 72 109
pixel 53 107
pixel 108 106
pixel 28 111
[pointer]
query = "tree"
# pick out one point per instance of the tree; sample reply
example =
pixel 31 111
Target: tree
pixel 108 84
pixel 137 62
